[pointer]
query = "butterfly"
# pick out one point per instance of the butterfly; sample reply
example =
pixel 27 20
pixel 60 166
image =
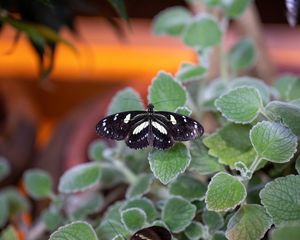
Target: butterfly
pixel 156 129
pixel 152 233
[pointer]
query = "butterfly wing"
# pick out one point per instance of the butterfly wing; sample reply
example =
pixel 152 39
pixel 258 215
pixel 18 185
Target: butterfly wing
pixel 152 233
pixel 118 125
pixel 162 139
pixel 181 128
pixel 138 134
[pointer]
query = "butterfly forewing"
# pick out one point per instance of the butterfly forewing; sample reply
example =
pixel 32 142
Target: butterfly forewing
pixel 181 128
pixel 152 233
pixel 117 126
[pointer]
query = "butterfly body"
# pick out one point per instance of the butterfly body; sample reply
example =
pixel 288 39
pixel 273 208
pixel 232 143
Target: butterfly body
pixel 156 129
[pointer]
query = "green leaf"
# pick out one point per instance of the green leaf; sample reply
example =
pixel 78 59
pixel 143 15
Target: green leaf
pixel 95 150
pixel 281 198
pixel 273 142
pixel 250 222
pixel 183 111
pixel 247 81
pixel 168 164
pixel 294 90
pixel 9 233
pixel 213 3
pixel 203 32
pixel 15 202
pixel 110 176
pixel 125 100
pixel 190 72
pixel 4 168
pixel 285 113
pixel 231 144
pixel 297 165
pixel 178 213
pixel 133 218
pixel 140 187
pixel 242 54
pixel 108 229
pixel 52 219
pixel 4 211
pixel 240 105
pixel 74 231
pixel 224 192
pixel 113 213
pixel 80 178
pixel 202 162
pixel 188 188
pixel 235 8
pixel 194 231
pixel 142 203
pixel 288 231
pixel 171 21
pixel 219 235
pixel 213 220
pixel 283 84
pixel 38 183
pixel 211 92
pixel 165 93
pixel 119 6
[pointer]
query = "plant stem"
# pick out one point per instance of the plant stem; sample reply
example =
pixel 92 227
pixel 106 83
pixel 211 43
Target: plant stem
pixel 255 163
pixel 265 114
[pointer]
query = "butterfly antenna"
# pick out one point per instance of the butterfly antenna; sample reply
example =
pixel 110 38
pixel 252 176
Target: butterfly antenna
pixel 116 232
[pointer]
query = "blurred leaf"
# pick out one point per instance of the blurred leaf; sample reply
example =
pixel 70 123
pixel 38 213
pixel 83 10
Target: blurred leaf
pixel 294 90
pixel 125 100
pixel 95 150
pixel 283 84
pixel 213 220
pixel 250 222
pixel 9 233
pixel 231 144
pixel 240 105
pixel 224 192
pixel 178 213
pixel 211 92
pixel 242 54
pixel 219 235
pixel 133 218
pixel 281 199
pixel 140 187
pixel 235 8
pixel 288 231
pixel 172 21
pixel 194 231
pixel 203 32
pixel 119 6
pixel 168 164
pixel 4 168
pixel 297 165
pixel 285 113
pixel 213 3
pixel 108 229
pixel 110 176
pixel 15 202
pixel 80 178
pixel 74 231
pixel 188 187
pixel 4 213
pixel 52 219
pixel 273 142
pixel 38 183
pixel 183 111
pixel 143 203
pixel 191 72
pixel 113 213
pixel 165 93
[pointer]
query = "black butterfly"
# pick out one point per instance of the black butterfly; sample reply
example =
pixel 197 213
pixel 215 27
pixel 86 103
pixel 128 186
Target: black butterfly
pixel 151 128
pixel 152 233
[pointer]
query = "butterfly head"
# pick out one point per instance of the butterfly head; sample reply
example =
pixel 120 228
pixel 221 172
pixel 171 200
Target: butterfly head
pixel 150 107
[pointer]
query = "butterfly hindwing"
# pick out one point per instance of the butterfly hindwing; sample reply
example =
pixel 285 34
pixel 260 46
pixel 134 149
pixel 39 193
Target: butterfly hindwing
pixel 152 233
pixel 182 128
pixel 162 139
pixel 118 125
pixel 138 135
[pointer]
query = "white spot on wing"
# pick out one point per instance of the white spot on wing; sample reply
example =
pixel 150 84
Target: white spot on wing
pixel 116 116
pixel 140 127
pixel 127 118
pixel 103 124
pixel 173 120
pixel 159 127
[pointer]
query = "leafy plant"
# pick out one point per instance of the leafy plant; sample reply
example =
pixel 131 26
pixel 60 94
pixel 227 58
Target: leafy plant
pixel 238 182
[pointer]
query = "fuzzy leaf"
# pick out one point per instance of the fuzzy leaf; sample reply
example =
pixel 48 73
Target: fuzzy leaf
pixel 213 220
pixel 281 198
pixel 4 211
pixel 52 219
pixel 202 162
pixel 4 168
pixel 190 72
pixel 113 213
pixel 283 84
pixel 167 165
pixel 231 144
pixel 96 149
pixel 9 233
pixel 165 93
pixel 294 90
pixel 203 32
pixel 212 91
pixel 297 165
pixel 235 8
pixel 125 100
pixel 224 192
pixel 285 113
pixel 80 178
pixel 273 142
pixel 240 105
pixel 110 229
pixel 16 203
pixel 194 231
pixel 250 222
pixel 178 214
pixel 133 218
pixel 188 188
pixel 140 187
pixel 183 111
pixel 171 21
pixel 288 231
pixel 241 55
pixel 74 231
pixel 38 183
pixel 142 203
